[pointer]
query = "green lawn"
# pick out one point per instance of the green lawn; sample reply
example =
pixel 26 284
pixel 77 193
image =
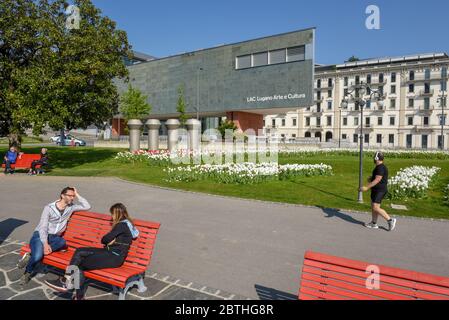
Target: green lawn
pixel 5 141
pixel 338 191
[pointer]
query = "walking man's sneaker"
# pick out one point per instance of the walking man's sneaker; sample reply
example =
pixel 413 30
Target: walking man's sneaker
pixel 391 224
pixel 58 284
pixel 24 261
pixel 372 225
pixel 25 278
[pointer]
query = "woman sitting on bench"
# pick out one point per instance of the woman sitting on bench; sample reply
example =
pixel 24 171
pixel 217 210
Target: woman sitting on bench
pixel 116 242
pixel 43 161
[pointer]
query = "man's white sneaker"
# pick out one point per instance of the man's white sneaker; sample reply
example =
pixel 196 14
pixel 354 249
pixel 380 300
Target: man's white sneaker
pixel 391 224
pixel 372 225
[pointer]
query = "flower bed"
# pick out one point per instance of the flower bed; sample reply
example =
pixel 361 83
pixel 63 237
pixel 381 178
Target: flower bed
pixel 245 173
pixel 412 182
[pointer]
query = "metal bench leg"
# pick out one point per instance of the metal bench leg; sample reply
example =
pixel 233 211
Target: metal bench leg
pixel 137 280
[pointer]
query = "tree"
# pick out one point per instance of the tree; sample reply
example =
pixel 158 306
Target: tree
pixel 181 107
pixel 51 75
pixel 226 125
pixel 133 104
pixel 353 59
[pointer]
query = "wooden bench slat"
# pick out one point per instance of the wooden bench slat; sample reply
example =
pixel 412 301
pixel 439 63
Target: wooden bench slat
pixel 322 295
pixel 337 290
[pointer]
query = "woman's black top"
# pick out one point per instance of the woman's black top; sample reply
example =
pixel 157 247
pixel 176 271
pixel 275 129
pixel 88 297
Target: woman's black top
pixel 123 239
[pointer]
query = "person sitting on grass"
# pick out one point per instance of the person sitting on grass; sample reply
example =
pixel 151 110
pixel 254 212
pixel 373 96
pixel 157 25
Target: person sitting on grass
pixel 116 245
pixel 10 158
pixel 43 161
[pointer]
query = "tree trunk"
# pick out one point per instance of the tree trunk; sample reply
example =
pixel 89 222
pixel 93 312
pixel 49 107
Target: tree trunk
pixel 15 140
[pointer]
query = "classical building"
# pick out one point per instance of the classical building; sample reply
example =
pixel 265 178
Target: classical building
pixel 412 88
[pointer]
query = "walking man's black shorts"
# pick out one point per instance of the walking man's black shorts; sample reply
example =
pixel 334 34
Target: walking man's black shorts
pixel 377 196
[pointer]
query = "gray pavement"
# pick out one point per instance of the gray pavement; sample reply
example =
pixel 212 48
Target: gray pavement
pixel 248 248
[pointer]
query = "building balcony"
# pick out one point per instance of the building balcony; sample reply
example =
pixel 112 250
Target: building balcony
pixel 424 110
pixel 377 109
pixel 325 86
pixel 422 78
pixel 314 127
pixel 426 93
pixel 366 128
pixel 376 82
pixel 319 100
pixel 423 129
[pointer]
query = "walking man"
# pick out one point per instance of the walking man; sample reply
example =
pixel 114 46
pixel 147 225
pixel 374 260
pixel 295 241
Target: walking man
pixel 379 188
pixel 47 237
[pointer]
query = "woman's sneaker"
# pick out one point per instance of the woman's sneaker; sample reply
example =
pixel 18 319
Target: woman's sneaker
pixel 391 224
pixel 58 284
pixel 24 261
pixel 372 225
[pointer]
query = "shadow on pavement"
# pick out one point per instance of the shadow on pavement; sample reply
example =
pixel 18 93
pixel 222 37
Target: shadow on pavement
pixel 265 293
pixel 331 213
pixel 8 226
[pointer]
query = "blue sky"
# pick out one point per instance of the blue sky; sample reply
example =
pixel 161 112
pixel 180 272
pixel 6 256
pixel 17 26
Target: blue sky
pixel 163 28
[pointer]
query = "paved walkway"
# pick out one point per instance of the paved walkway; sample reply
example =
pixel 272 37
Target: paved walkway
pixel 248 248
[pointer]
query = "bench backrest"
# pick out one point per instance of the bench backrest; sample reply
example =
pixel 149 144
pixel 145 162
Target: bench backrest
pixel 329 277
pixel 26 160
pixel 85 229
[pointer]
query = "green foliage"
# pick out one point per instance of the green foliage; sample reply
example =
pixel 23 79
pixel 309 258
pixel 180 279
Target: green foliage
pixel 226 125
pixel 353 59
pixel 181 107
pixel 133 104
pixel 54 75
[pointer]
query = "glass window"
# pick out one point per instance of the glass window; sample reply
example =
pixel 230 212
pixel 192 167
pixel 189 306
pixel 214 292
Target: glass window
pixel 294 122
pixel 391 138
pixel 329 120
pixel 427 103
pixel 283 122
pixel 344 136
pixel 424 140
pixel 427 87
pixel 412 75
pixel 367 121
pixel 379 121
pixel 426 121
pixel 356 121
pixel 260 59
pixel 443 86
pixel 410 121
pixel 355 138
pixel 273 122
pixel 318 83
pixel 329 93
pixel 381 78
pixel 346 81
pixel 296 54
pixel 368 79
pixel 345 121
pixel 318 121
pixel 427 74
pixel 244 62
pixel 411 88
pixel 329 105
pixel 393 89
pixel 393 103
pixel 393 77
pixel 379 138
pixel 367 138
pixel 411 103
pixel 444 72
pixel 308 121
pixel 277 56
pixel 329 83
pixel 392 121
pixel 357 79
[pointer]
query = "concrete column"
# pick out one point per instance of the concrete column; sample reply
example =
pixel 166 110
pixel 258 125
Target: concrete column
pixel 194 129
pixel 172 126
pixel 134 126
pixel 153 133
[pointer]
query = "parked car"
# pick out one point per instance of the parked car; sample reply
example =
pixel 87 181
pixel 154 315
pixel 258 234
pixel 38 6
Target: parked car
pixel 71 140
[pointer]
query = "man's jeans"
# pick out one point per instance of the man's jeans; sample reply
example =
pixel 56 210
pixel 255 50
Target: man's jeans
pixel 7 164
pixel 37 248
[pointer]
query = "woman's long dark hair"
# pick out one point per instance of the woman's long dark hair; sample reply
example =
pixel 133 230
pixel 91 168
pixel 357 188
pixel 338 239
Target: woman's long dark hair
pixel 119 213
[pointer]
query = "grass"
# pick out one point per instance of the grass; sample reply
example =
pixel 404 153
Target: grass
pixel 338 191
pixel 26 139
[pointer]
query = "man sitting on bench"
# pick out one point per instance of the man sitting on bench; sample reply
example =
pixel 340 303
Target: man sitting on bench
pixel 10 158
pixel 43 161
pixel 47 236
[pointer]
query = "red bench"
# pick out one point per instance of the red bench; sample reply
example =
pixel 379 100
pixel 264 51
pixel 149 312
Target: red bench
pixel 333 278
pixel 85 229
pixel 24 161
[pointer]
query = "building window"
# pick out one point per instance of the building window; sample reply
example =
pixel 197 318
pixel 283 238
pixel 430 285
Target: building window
pixel 345 121
pixel 264 122
pixel 444 72
pixel 296 54
pixel 392 121
pixel 411 103
pixel 346 81
pixel 307 121
pixel 427 74
pixel 294 122
pixel 379 121
pixel 443 85
pixel 329 121
pixel 393 77
pixel 356 121
pixel 411 88
pixel 409 141
pixel 426 87
pixel 410 121
pixel 368 104
pixel 391 138
pixel 345 92
pixel 260 59
pixel 357 80
pixel 318 121
pixel 329 93
pixel 442 120
pixel 426 121
pixel 355 138
pixel 273 122
pixel 318 107
pixel 277 56
pixel 293 135
pixel 393 90
pixel 393 104
pixel 379 138
pixel 367 138
pixel 330 83
pixel 344 136
pixel 329 105
pixel 424 141
pixel 368 79
pixel 318 95
pixel 427 103
pixel 381 90
pixel 381 78
pixel 318 83
pixel 368 121
pixel 412 75
pixel 283 122
pixel 368 91
pixel 244 62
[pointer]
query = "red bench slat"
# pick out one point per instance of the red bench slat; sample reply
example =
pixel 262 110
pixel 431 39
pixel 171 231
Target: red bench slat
pixel 24 162
pixel 325 274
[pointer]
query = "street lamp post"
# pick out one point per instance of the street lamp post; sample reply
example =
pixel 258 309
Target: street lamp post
pixel 442 100
pixel 198 93
pixel 360 102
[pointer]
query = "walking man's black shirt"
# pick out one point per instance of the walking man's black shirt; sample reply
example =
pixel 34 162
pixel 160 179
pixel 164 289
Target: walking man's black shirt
pixel 380 170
